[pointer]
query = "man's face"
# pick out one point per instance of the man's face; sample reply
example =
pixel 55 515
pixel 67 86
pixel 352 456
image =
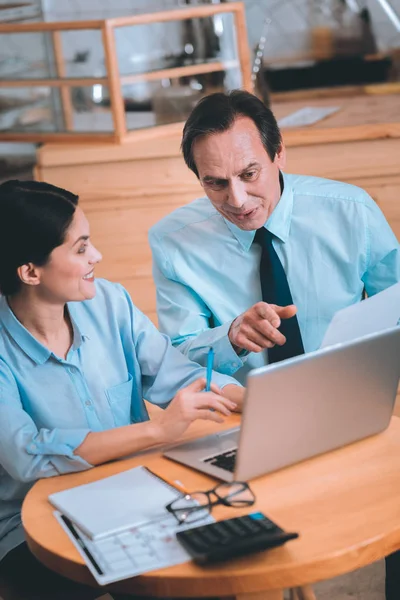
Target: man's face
pixel 237 174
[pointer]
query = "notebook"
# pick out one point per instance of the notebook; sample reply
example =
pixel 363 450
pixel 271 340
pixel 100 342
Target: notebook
pixel 113 504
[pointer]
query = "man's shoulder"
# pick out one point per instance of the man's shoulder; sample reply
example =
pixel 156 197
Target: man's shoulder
pixel 189 215
pixel 319 187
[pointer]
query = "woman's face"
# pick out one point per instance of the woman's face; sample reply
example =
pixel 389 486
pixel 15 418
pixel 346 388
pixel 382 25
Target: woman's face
pixel 69 273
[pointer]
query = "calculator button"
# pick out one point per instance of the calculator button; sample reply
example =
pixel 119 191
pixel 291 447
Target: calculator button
pixel 236 529
pixel 249 525
pixel 210 536
pixel 267 525
pixel 222 528
pixel 198 543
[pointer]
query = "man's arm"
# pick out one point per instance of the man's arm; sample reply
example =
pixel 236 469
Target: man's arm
pixel 383 251
pixel 188 321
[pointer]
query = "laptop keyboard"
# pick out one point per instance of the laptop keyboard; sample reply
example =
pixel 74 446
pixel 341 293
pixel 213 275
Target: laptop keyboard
pixel 226 460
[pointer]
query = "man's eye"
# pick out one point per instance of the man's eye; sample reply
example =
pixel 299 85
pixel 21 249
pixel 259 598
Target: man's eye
pixel 215 184
pixel 249 175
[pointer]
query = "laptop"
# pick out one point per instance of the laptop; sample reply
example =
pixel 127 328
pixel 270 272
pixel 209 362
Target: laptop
pixel 303 407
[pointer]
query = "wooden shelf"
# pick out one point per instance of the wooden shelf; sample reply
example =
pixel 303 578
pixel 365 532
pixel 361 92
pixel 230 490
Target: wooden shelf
pixel 62 82
pixel 185 71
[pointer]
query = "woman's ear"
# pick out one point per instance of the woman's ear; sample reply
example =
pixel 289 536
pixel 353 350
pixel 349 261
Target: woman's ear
pixel 29 274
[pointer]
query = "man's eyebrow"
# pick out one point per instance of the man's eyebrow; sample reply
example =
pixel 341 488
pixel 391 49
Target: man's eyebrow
pixel 250 166
pixel 222 180
pixel 211 178
pixel 81 238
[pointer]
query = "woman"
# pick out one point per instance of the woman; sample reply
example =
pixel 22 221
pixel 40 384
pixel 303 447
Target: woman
pixel 76 359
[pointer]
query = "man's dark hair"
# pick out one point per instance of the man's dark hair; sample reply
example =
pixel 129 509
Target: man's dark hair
pixel 34 218
pixel 217 113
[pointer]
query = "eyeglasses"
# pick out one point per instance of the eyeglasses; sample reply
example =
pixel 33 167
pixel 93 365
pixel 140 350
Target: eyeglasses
pixel 196 506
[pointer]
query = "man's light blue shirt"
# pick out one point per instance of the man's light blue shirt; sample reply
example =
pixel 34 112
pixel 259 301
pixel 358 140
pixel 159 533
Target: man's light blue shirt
pixel 333 242
pixel 48 405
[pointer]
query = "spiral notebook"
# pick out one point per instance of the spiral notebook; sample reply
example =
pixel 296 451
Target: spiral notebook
pixel 116 503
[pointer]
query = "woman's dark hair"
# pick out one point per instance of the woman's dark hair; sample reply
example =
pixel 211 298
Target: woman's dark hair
pixel 34 218
pixel 217 113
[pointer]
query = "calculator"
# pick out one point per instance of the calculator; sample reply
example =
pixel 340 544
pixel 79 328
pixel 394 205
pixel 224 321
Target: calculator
pixel 233 537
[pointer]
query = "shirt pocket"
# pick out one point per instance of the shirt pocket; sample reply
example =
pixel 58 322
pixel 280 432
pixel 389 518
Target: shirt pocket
pixel 120 399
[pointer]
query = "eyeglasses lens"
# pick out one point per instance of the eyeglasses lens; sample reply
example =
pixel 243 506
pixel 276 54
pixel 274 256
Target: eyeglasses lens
pixel 191 507
pixel 235 494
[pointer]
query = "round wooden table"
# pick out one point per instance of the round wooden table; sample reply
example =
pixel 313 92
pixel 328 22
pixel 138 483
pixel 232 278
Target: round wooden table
pixel 344 504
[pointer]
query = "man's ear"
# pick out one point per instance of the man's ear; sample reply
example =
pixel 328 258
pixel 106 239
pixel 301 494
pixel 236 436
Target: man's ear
pixel 280 157
pixel 29 274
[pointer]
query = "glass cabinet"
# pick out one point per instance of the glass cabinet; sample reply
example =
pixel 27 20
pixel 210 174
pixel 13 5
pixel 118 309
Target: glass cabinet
pixel 110 79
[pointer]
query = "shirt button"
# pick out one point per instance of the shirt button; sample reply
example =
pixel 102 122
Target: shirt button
pixel 88 403
pixel 72 370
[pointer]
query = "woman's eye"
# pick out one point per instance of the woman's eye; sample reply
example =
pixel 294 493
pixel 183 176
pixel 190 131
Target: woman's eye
pixel 82 250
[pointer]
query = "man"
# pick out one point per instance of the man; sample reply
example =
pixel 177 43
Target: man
pixel 258 267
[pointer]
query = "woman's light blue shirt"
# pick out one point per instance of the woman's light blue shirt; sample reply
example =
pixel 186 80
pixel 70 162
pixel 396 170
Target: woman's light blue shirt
pixel 48 405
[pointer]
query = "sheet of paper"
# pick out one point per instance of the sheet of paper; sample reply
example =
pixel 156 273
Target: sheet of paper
pixel 372 315
pixel 133 551
pixel 307 116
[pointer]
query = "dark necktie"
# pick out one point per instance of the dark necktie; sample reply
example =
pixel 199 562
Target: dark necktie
pixel 275 290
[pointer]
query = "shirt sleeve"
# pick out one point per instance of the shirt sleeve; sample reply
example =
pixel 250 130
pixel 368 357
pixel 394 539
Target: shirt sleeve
pixel 188 321
pixel 26 452
pixel 383 251
pixel 164 370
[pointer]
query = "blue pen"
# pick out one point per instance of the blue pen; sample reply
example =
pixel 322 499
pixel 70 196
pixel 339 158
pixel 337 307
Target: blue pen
pixel 210 360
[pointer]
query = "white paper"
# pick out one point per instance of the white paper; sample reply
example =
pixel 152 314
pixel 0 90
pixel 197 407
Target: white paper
pixel 307 116
pixel 372 315
pixel 133 551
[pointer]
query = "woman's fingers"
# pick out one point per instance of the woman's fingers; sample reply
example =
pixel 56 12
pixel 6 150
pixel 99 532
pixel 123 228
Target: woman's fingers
pixel 216 389
pixel 196 386
pixel 208 415
pixel 215 401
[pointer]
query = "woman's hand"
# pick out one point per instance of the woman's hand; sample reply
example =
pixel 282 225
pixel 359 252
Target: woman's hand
pixel 235 393
pixel 189 404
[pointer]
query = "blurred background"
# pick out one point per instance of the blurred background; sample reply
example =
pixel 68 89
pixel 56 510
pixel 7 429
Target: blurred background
pixel 294 45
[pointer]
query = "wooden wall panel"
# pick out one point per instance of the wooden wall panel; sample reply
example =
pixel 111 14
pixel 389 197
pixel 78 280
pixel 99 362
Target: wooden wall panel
pixel 123 198
pixel 347 161
pixel 165 176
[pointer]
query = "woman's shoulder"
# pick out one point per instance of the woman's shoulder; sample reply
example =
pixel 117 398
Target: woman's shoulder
pixel 110 301
pixel 106 289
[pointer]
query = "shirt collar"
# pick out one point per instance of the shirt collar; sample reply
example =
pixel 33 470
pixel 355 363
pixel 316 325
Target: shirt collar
pixel 25 340
pixel 278 223
pixel 78 324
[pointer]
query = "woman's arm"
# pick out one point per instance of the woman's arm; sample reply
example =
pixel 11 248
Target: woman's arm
pixel 164 369
pixel 189 404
